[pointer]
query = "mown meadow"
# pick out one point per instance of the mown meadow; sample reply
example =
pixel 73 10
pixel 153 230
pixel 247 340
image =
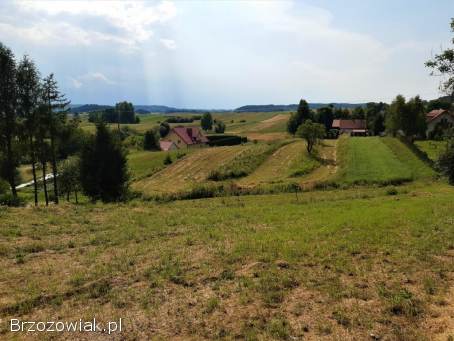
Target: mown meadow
pixel 363 250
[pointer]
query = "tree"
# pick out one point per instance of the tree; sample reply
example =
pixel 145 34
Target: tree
pixel 206 122
pixel 164 129
pixel 446 161
pixel 393 120
pixel 312 133
pixel 55 103
pixel 69 177
pixel 219 128
pixel 103 167
pixel 125 113
pixel 414 123
pixel 303 113
pixel 28 90
pixel 443 65
pixel 292 124
pixel 8 119
pixel 358 113
pixel 151 140
pixel 325 116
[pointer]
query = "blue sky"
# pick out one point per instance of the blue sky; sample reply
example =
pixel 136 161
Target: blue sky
pixel 223 54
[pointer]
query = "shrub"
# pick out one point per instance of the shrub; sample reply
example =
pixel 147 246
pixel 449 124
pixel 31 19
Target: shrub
pixel 168 160
pixel 446 162
pixel 392 191
pixel 151 140
pixel 7 199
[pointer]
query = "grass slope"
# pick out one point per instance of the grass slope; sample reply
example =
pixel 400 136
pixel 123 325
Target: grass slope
pixel 246 162
pixel 377 160
pixel 254 268
pixel 144 163
pixel 433 149
pixel 287 161
pixel 190 170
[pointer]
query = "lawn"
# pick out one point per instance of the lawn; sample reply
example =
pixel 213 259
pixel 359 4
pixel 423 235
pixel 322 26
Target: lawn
pixel 378 160
pixel 337 265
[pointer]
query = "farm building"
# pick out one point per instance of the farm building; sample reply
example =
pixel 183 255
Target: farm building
pixel 184 137
pixel 438 121
pixel 353 127
pixel 167 145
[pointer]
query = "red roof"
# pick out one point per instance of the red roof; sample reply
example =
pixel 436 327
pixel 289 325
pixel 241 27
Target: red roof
pixel 430 116
pixel 349 124
pixel 190 135
pixel 165 145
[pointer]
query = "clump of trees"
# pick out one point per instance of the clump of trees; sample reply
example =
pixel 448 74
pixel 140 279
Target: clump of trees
pixel 103 167
pixel 164 129
pixel 34 125
pixel 151 139
pixel 296 119
pixel 122 113
pixel 407 117
pixel 206 121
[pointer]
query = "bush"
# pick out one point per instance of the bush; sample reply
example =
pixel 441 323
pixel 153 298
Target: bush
pixel 220 127
pixel 225 140
pixel 151 140
pixel 446 162
pixel 7 199
pixel 168 160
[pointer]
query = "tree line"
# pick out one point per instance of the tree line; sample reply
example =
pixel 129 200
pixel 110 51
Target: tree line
pixel 35 130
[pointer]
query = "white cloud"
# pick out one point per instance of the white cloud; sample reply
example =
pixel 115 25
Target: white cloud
pixel 128 23
pixel 169 43
pixel 91 77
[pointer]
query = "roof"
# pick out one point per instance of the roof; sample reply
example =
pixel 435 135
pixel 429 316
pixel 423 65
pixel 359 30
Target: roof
pixel 166 145
pixel 430 116
pixel 349 124
pixel 190 135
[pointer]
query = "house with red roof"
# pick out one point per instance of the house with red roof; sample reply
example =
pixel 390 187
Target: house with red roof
pixel 352 127
pixel 438 120
pixel 184 137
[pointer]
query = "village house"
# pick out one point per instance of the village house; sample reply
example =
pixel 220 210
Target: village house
pixel 437 121
pixel 183 137
pixel 352 127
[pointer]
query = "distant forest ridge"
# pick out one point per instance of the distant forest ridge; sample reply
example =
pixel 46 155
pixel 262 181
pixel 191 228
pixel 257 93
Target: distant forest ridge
pixel 144 109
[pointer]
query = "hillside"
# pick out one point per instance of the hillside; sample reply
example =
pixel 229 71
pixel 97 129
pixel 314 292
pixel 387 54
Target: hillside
pixel 292 107
pixel 341 264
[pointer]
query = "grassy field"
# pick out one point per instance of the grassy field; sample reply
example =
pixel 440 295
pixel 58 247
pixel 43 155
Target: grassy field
pixel 143 164
pixel 433 149
pixel 378 160
pixel 287 162
pixel 246 162
pixel 188 171
pixel 335 265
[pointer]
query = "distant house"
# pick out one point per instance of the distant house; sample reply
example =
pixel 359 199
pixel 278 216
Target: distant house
pixel 167 145
pixel 352 127
pixel 437 121
pixel 186 137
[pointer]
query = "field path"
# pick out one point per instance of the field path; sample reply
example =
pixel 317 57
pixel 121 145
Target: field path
pixel 192 169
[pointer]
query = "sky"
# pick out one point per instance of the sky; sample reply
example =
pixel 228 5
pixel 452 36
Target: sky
pixel 224 54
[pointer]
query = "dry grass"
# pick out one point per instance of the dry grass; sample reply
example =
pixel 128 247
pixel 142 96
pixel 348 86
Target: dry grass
pixel 254 268
pixel 188 171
